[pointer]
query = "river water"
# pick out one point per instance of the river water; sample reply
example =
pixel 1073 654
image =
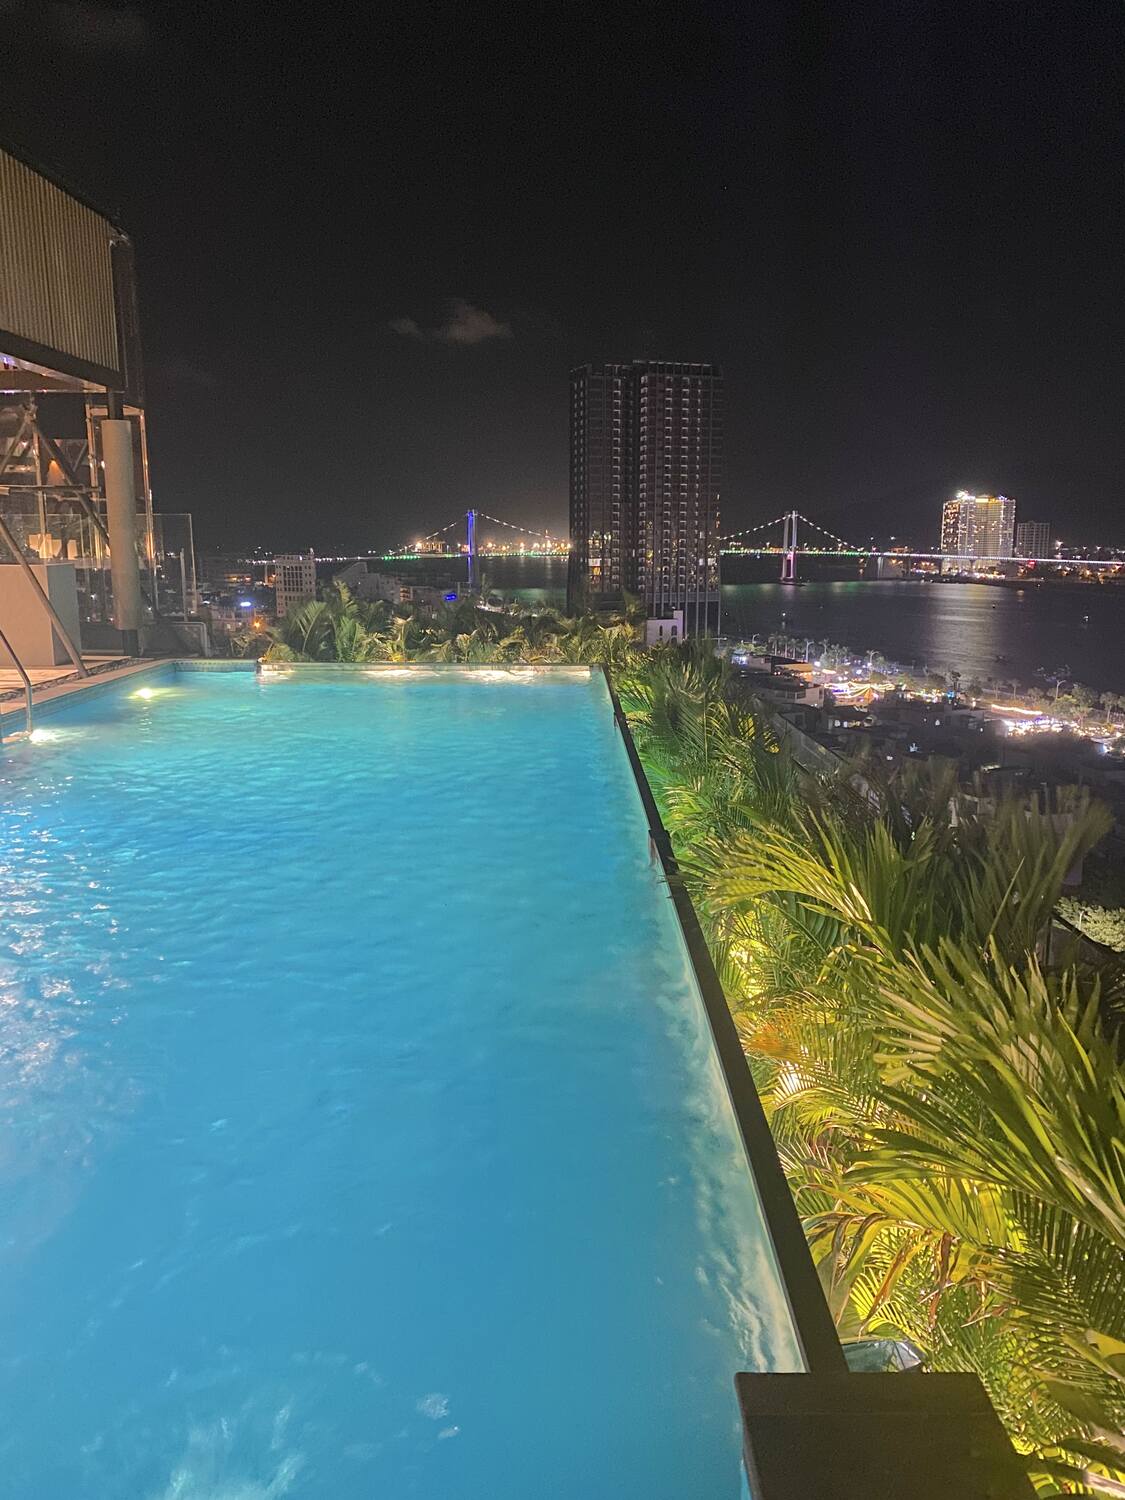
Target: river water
pixel 980 630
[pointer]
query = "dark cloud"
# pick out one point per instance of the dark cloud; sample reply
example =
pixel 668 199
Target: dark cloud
pixel 471 325
pixel 83 26
pixel 407 327
pixel 466 324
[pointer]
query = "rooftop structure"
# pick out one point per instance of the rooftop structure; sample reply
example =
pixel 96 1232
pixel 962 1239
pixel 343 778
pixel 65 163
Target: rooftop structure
pixel 74 482
pixel 68 319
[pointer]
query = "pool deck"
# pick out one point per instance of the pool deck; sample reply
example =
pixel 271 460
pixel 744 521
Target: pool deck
pixel 49 684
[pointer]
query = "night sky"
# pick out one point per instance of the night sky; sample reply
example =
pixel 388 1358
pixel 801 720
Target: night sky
pixel 372 242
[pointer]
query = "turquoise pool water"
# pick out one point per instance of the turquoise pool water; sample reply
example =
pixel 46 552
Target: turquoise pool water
pixel 361 1133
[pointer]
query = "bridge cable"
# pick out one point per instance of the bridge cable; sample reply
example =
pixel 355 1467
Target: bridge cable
pixel 442 530
pixel 733 535
pixel 817 527
pixel 527 531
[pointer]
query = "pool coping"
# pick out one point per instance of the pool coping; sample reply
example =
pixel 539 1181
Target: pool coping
pixel 808 1308
pixel 46 699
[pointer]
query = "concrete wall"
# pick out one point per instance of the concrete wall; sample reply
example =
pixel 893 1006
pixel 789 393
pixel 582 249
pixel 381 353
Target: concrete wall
pixel 24 620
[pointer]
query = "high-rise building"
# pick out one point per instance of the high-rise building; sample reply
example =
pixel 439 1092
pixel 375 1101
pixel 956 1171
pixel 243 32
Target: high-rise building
pixel 978 525
pixel 294 581
pixel 646 441
pixel 1033 539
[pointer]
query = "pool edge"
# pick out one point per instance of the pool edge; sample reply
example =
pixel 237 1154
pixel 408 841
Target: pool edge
pixel 812 1321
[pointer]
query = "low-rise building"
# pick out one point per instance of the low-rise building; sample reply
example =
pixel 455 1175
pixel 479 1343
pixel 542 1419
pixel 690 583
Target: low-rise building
pixel 294 580
pixel 374 587
pixel 778 680
pixel 665 629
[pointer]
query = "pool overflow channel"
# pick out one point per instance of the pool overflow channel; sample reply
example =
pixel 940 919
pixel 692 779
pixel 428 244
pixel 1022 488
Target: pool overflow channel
pixel 815 1435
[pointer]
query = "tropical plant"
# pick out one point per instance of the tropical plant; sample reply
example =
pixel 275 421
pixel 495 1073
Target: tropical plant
pixel 1102 924
pixel 1085 697
pixel 341 628
pixel 950 1115
pixel 338 627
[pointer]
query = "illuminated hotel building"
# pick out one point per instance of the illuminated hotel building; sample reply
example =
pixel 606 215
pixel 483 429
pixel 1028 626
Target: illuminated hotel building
pixel 646 442
pixel 978 525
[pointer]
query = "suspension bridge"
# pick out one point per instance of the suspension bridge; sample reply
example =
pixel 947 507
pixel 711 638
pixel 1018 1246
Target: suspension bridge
pixel 460 538
pixel 753 542
pixel 782 537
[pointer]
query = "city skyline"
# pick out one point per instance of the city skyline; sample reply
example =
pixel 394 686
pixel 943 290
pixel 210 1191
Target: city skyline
pixel 359 317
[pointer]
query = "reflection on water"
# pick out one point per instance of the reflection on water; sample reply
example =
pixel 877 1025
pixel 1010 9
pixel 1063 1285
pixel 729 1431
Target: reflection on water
pixel 212 1466
pixel 979 630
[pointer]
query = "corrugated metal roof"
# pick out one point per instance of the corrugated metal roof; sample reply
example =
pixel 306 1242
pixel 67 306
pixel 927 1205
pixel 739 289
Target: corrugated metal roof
pixel 56 274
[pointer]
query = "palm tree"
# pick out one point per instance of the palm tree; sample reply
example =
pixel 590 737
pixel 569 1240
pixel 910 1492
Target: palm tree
pixel 305 634
pixel 338 627
pixel 403 642
pixel 949 1114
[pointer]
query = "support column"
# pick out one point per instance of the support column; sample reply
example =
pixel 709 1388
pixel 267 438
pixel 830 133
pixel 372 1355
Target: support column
pixel 121 507
pixel 789 549
pixel 471 541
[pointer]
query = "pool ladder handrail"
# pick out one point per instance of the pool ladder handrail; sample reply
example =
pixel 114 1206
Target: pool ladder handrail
pixel 29 714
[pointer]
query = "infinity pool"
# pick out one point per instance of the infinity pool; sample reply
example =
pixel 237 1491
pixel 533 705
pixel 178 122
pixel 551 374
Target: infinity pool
pixel 361 1135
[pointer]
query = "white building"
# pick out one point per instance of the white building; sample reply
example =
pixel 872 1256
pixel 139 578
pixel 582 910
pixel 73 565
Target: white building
pixel 657 632
pixel 978 525
pixel 294 580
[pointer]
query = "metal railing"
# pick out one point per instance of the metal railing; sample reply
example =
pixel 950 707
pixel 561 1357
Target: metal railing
pixel 29 714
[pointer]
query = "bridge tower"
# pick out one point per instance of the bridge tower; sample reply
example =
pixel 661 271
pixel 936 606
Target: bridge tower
pixel 789 547
pixel 471 540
